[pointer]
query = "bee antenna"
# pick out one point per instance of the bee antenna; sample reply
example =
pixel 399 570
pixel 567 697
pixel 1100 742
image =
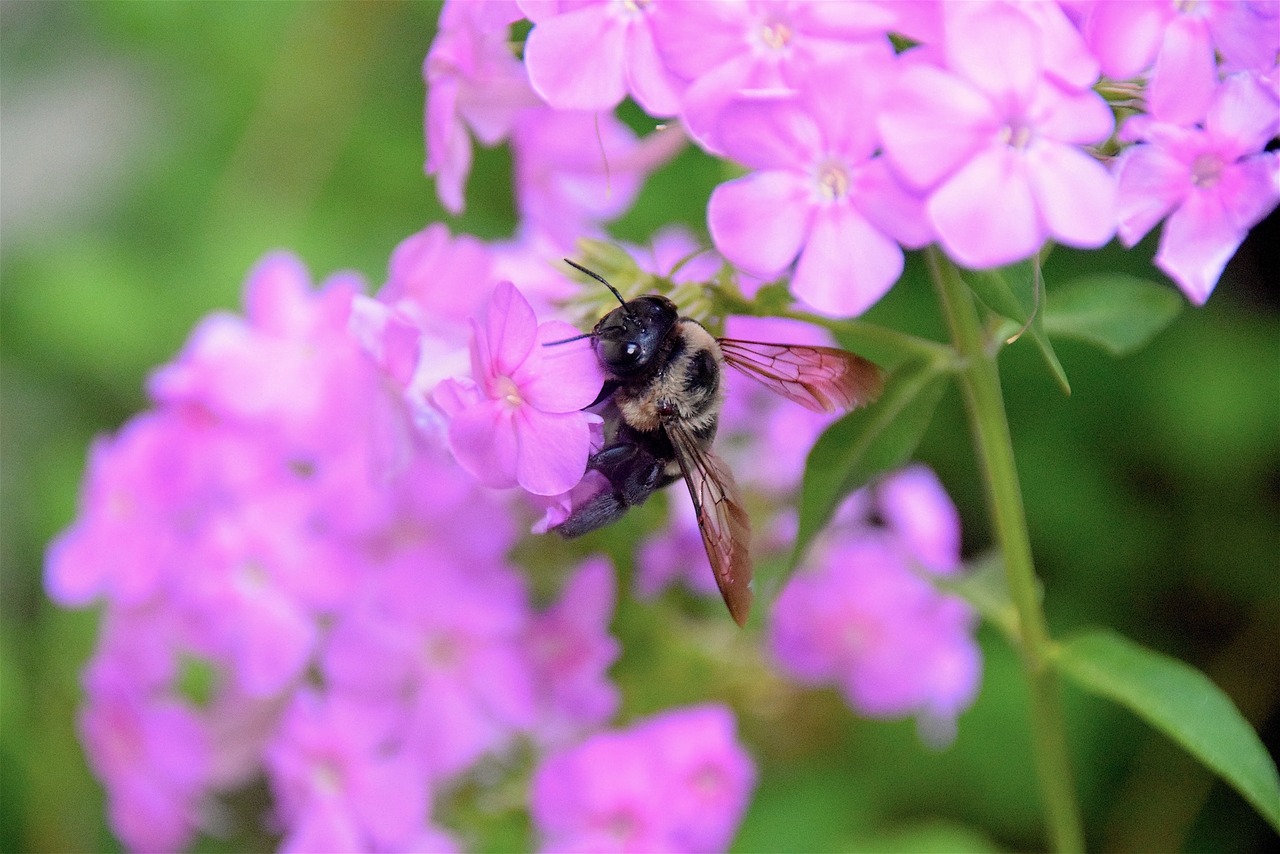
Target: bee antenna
pixel 599 278
pixel 566 340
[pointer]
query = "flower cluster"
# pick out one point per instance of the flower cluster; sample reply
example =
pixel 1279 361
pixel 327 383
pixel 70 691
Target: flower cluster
pixel 871 127
pixel 864 616
pixel 298 585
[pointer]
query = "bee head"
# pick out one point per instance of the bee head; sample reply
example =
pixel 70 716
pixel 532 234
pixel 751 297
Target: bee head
pixel 627 338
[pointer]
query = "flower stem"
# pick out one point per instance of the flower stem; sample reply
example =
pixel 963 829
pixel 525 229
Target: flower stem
pixel 984 402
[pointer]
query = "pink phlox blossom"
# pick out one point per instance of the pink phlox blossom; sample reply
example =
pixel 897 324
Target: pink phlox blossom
pixel 127 537
pixel 863 617
pixel 571 651
pixel 734 49
pixel 339 785
pixel 576 170
pixel 590 54
pixel 995 140
pixel 819 196
pixel 1177 45
pixel 679 781
pixel 1212 182
pixel 915 507
pixel 415 329
pixel 474 82
pixel 519 419
pixel 443 649
pixel 299 333
pixel 150 750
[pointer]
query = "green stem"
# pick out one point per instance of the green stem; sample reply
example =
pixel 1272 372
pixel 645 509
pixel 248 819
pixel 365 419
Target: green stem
pixel 980 384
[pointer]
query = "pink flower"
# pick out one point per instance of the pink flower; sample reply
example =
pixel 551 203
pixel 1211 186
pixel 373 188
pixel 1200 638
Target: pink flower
pixel 1213 183
pixel 1176 42
pixel 572 651
pixel 590 54
pixel 439 646
pixel 337 786
pixel 473 81
pixel 151 752
pixel 675 782
pixel 575 170
pixel 862 617
pixel 520 421
pixel 729 50
pixel 819 197
pixel 994 140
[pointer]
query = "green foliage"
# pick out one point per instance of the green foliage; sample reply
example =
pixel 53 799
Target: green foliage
pixel 1182 703
pixel 1117 312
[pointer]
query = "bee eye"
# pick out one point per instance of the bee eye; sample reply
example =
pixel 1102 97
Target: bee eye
pixel 632 349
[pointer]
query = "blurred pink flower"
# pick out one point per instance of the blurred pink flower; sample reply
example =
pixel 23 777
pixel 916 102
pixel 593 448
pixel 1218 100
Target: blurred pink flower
pixel 1213 183
pixel 441 649
pixel 730 50
pixel 337 786
pixel 571 651
pixel 151 752
pixel 678 781
pixel 576 170
pixel 995 139
pixel 520 420
pixel 474 81
pixel 862 616
pixel 1176 44
pixel 590 54
pixel 819 196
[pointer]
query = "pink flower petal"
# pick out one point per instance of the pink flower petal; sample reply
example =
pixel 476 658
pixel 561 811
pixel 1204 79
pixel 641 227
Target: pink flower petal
pixel 1150 183
pixel 1185 74
pixel 563 377
pixel 1197 243
pixel 759 222
pixel 847 264
pixel 511 329
pixel 1125 36
pixel 576 59
pixel 985 215
pixel 889 206
pixel 932 123
pixel 483 440
pixel 994 47
pixel 648 79
pixel 1243 116
pixel 769 134
pixel 553 450
pixel 1075 194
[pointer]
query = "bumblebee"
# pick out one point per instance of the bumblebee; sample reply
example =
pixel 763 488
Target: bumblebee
pixel 663 396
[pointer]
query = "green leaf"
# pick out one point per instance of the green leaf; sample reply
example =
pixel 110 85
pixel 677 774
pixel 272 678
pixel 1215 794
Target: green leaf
pixel 1181 702
pixel 1012 292
pixel 866 442
pixel 1116 312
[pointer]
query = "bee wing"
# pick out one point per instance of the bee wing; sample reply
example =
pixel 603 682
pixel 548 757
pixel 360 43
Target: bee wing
pixel 725 527
pixel 823 379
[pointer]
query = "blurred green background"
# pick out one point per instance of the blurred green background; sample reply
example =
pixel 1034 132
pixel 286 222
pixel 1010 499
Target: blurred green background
pixel 151 152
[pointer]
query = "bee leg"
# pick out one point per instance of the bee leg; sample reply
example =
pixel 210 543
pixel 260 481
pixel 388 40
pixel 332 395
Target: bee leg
pixel 633 474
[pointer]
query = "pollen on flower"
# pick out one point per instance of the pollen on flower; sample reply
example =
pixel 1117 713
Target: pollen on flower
pixel 442 650
pixel 508 391
pixel 1017 134
pixel 633 8
pixel 326 777
pixel 1206 170
pixel 832 181
pixel 775 35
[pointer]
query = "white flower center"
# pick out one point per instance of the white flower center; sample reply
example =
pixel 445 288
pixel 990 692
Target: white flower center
pixel 832 181
pixel 508 391
pixel 775 35
pixel 1017 134
pixel 1206 170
